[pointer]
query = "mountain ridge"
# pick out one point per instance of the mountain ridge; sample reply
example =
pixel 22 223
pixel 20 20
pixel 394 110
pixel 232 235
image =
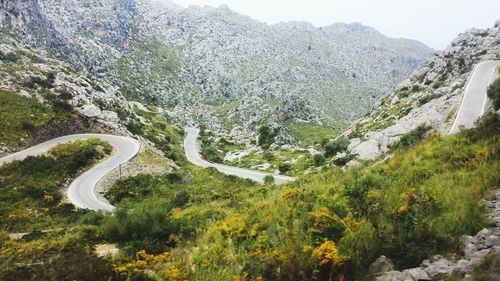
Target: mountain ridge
pixel 222 57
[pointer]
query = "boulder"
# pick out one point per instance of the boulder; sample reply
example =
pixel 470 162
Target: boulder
pixel 439 269
pixel 469 250
pixel 492 240
pixel 380 266
pixel 368 150
pixel 395 276
pixel 462 267
pixel 418 274
pixel 89 110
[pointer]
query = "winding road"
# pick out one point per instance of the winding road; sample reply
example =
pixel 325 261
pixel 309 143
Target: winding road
pixel 81 191
pixel 193 156
pixel 475 99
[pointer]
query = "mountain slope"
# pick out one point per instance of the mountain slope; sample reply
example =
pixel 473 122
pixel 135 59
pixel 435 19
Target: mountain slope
pixel 223 69
pixel 431 95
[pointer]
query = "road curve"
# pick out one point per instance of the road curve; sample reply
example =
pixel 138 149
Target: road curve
pixel 475 98
pixel 193 156
pixel 81 191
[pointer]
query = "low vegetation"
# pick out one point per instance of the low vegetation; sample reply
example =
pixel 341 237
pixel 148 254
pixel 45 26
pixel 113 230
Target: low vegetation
pixel 22 117
pixel 494 94
pixel 199 224
pixel 32 189
pixel 310 134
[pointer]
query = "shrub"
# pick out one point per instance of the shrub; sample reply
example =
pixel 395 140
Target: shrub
pixel 211 154
pixel 284 167
pixel 268 179
pixel 494 94
pixel 181 199
pixel 319 160
pixel 266 136
pixel 9 57
pixel 339 145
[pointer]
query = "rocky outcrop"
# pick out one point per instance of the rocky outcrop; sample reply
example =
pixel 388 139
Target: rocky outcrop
pixel 475 248
pixel 431 95
pixel 24 20
pixel 97 107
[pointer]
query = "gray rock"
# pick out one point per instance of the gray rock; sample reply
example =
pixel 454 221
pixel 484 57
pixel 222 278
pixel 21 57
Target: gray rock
pixel 395 276
pixel 89 110
pixel 462 267
pixel 480 254
pixel 380 266
pixel 469 250
pixel 492 240
pixel 483 233
pixel 418 274
pixel 368 150
pixel 439 269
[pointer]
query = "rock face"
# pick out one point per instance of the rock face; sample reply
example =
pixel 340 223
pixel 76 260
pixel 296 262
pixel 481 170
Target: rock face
pixel 430 96
pixel 212 62
pixel 475 248
pixel 24 20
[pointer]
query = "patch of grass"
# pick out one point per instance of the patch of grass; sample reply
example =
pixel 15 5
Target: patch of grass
pixel 488 269
pixel 32 194
pixel 22 117
pixel 310 134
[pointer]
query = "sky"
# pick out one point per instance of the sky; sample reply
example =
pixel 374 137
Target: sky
pixel 434 22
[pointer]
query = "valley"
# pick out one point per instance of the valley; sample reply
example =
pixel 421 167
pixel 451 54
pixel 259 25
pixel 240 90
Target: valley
pixel 142 140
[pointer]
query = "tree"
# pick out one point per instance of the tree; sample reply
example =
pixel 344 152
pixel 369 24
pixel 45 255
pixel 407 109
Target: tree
pixel 266 136
pixel 494 94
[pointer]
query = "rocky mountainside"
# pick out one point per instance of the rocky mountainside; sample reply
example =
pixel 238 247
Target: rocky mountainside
pixel 431 95
pixel 70 102
pixel 219 68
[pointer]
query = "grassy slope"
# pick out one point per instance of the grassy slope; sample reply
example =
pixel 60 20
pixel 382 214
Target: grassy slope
pixel 334 223
pixel 310 134
pixel 32 194
pixel 20 117
pixel 200 224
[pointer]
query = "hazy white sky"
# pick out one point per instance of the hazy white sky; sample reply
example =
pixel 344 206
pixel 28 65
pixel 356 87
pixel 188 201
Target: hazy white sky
pixel 434 22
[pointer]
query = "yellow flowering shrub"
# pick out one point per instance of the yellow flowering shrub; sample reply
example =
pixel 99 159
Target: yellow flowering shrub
pixel 232 226
pixel 292 193
pixel 48 198
pixel 175 274
pixel 328 254
pixel 144 261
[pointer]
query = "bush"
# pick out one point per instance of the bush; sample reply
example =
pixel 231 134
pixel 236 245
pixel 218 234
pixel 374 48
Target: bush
pixel 211 154
pixel 339 145
pixel 284 167
pixel 9 57
pixel 494 94
pixel 148 226
pixel 266 136
pixel 319 160
pixel 268 179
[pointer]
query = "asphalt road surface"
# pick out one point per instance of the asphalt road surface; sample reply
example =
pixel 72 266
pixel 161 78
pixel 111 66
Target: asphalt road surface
pixel 474 102
pixel 193 156
pixel 81 191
